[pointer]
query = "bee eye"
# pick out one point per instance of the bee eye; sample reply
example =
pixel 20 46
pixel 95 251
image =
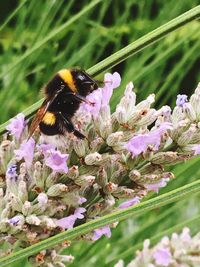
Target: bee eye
pixel 81 77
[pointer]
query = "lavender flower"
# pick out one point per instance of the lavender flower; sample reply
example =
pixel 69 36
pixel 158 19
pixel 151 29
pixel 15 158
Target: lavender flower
pixel 26 151
pixel 105 230
pixel 57 161
pixel 140 142
pixel 69 221
pixel 181 100
pixel 16 125
pixel 129 203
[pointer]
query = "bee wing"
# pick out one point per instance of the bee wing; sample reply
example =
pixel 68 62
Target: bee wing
pixel 38 117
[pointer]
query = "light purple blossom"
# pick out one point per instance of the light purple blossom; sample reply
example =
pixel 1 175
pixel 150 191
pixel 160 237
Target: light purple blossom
pixel 140 142
pixel 26 151
pixel 105 230
pixel 82 200
pixel 57 161
pixel 43 148
pixel 101 96
pixel 11 171
pixel 95 98
pixel 181 100
pixel 129 203
pixel 69 221
pixel 14 221
pixel 155 187
pixel 162 256
pixel 112 81
pixel 16 125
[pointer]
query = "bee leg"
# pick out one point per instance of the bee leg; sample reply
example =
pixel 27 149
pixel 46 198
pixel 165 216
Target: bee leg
pixel 82 99
pixel 70 127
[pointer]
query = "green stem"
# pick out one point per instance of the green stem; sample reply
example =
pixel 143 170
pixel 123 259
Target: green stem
pixel 120 215
pixel 122 54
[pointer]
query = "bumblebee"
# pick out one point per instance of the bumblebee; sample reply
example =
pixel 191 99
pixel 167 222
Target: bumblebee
pixel 63 95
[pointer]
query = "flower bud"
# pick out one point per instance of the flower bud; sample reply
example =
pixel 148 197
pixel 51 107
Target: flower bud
pixel 33 219
pixel 80 147
pixel 22 191
pixel 37 175
pixel 57 189
pixel 51 179
pixel 27 208
pixel 110 188
pixel 96 144
pixel 93 159
pixel 134 175
pixel 73 172
pixel 102 178
pixel 114 138
pixel 187 136
pixel 189 111
pixel 15 202
pixel 147 102
pixel 85 180
pixel 148 118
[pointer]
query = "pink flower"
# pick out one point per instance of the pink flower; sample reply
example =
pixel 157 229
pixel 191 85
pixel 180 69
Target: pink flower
pixel 69 221
pixel 129 203
pixel 16 125
pixel 162 256
pixel 105 230
pixel 140 142
pixel 26 151
pixel 57 161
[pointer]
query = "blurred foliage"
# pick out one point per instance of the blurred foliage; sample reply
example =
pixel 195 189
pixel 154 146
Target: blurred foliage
pixel 36 41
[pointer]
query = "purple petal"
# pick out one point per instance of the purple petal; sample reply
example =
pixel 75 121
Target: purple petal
pixel 140 142
pixel 66 222
pixel 69 221
pixel 162 256
pixel 157 186
pixel 26 151
pixel 57 161
pixel 181 99
pixel 16 125
pixel 105 230
pixel 129 203
pixel 43 148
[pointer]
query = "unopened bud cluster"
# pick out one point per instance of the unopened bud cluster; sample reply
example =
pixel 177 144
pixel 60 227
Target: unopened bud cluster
pixel 48 184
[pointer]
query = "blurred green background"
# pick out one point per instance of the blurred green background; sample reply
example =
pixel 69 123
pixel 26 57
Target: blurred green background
pixel 37 38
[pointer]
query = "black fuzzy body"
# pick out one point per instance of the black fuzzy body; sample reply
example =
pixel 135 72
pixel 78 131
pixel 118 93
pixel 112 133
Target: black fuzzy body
pixel 67 101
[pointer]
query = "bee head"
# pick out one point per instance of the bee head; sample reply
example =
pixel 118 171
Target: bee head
pixel 84 82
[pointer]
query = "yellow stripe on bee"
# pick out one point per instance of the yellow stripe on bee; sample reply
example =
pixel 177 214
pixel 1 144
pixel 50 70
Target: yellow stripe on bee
pixel 49 118
pixel 67 77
